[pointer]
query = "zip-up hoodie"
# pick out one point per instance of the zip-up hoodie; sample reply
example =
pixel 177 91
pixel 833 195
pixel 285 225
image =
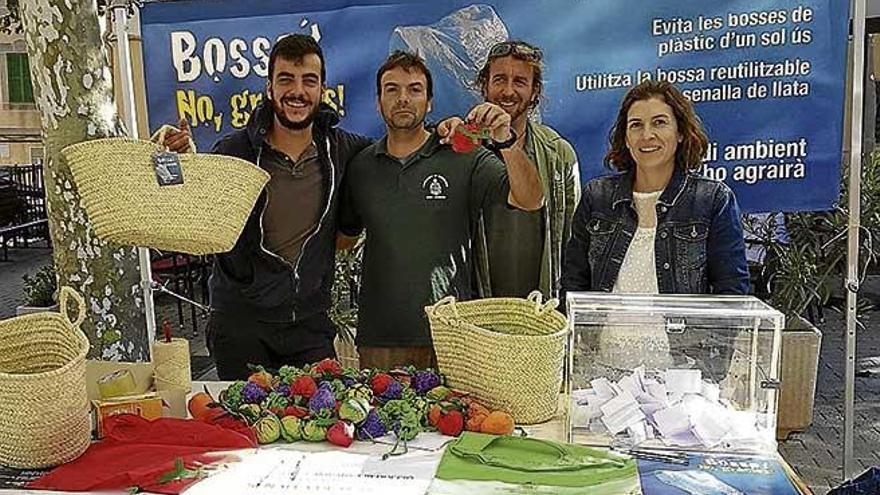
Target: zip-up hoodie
pixel 251 280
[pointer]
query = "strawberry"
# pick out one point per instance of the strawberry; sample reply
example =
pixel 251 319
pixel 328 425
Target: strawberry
pixel 462 143
pixel 451 423
pixel 380 382
pixel 304 386
pixel 341 434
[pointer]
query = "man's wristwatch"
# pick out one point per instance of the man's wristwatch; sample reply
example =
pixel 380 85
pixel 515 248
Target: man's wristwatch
pixel 501 145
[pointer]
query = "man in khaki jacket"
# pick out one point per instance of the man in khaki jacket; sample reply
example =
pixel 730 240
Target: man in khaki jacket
pixel 521 250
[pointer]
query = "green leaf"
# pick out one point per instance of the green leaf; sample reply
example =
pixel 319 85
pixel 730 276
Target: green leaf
pixel 481 133
pixel 180 472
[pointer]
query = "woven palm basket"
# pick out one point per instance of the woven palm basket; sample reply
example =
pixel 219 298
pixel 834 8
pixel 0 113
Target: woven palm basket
pixel 43 402
pixel 507 352
pixel 125 204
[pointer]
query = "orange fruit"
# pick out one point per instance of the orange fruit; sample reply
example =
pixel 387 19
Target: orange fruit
pixel 434 414
pixel 198 405
pixel 497 423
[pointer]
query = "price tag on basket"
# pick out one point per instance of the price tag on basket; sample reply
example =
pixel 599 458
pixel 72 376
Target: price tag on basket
pixel 167 166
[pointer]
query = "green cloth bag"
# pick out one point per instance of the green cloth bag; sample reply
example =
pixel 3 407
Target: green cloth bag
pixel 520 460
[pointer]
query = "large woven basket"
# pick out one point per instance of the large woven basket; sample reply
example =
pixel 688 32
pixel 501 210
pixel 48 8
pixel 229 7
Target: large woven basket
pixel 507 352
pixel 44 408
pixel 125 204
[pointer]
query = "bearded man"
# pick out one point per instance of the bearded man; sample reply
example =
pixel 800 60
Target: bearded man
pixel 270 295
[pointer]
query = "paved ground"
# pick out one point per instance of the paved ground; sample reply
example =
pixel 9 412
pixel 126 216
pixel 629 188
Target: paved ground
pixel 816 454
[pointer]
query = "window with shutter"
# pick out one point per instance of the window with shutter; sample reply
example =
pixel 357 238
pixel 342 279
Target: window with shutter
pixel 19 78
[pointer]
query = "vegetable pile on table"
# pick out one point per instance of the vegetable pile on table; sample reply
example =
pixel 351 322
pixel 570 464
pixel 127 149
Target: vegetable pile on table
pixel 325 401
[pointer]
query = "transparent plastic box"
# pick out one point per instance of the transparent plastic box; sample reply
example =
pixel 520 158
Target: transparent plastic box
pixel 685 372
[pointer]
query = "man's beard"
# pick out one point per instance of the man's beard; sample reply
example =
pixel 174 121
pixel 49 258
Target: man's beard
pixel 416 121
pixel 278 108
pixel 520 109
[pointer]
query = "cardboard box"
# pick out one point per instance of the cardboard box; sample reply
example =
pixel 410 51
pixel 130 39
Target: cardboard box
pixel 801 343
pixel 147 406
pixel 173 401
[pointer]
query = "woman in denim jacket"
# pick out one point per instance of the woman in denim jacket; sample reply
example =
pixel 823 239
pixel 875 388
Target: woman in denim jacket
pixel 656 226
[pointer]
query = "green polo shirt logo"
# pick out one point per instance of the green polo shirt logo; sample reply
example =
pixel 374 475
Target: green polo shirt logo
pixel 435 187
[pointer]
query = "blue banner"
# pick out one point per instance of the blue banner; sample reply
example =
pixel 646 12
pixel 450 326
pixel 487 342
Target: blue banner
pixel 766 76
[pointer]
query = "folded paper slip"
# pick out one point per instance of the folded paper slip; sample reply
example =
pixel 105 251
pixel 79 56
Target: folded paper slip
pixel 136 193
pixel 519 460
pixel 137 452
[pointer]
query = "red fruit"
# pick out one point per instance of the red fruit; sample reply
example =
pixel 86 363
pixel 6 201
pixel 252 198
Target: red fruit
pixel 330 366
pixel 299 412
pixel 380 382
pixel 462 143
pixel 277 411
pixel 341 434
pixel 304 386
pixel 451 423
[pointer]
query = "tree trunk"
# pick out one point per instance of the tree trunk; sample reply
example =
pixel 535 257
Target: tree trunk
pixel 72 88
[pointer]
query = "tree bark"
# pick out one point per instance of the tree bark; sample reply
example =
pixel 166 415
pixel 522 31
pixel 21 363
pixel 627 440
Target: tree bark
pixel 73 91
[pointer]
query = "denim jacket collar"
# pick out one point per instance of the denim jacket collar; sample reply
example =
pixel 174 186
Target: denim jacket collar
pixel 624 190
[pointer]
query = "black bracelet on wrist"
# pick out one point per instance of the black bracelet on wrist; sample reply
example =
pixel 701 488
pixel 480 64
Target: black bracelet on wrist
pixel 501 145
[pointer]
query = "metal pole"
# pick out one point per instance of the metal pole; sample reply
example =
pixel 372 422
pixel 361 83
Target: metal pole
pixel 129 114
pixel 855 175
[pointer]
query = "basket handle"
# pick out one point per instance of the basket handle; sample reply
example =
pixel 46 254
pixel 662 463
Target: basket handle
pixel 66 294
pixel 542 309
pixel 158 137
pixel 446 301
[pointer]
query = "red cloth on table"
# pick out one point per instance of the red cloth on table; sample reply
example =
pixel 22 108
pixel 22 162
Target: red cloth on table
pixel 137 452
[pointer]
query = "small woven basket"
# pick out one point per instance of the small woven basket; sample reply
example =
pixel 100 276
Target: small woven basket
pixel 43 402
pixel 507 352
pixel 126 205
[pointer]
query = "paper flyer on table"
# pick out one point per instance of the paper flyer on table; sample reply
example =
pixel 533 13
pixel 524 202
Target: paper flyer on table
pixel 277 472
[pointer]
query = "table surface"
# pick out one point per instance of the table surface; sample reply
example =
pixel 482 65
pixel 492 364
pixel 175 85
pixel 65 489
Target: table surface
pixel 417 462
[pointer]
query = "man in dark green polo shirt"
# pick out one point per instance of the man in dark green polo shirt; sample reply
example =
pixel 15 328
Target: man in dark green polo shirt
pixel 419 201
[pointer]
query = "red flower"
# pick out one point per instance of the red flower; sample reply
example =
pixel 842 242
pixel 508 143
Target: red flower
pixel 380 382
pixel 304 386
pixel 451 423
pixel 330 366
